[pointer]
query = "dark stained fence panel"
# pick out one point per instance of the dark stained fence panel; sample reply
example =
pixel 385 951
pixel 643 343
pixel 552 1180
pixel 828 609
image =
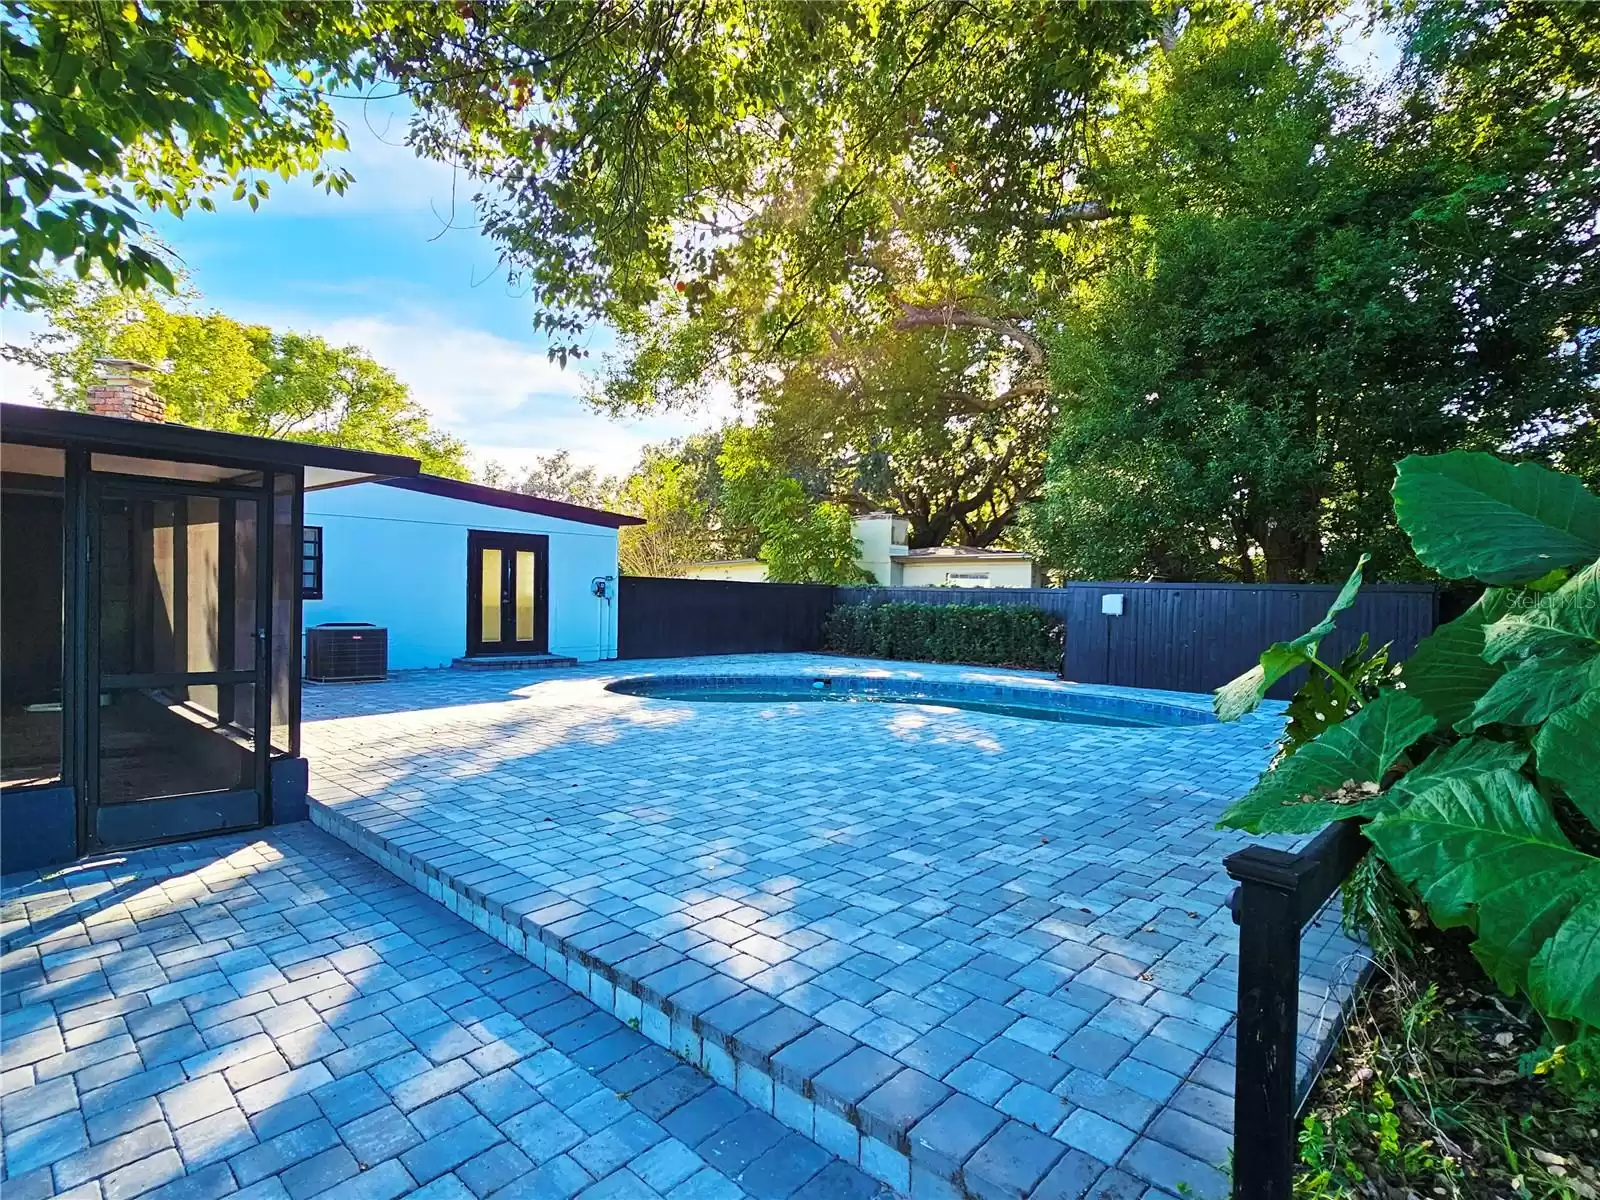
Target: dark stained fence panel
pixel 1194 637
pixel 668 618
pixel 1189 637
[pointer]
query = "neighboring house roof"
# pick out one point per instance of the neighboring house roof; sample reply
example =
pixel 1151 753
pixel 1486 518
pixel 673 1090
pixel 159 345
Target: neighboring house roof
pixel 325 465
pixel 962 554
pixel 476 493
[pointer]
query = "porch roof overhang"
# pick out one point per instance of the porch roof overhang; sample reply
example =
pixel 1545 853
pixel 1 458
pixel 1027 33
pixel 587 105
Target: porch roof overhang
pixel 325 466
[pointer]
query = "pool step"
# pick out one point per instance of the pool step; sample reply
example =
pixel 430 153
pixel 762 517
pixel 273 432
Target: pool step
pixel 906 1129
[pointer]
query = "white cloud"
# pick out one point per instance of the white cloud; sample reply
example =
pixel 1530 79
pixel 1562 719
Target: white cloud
pixel 20 384
pixel 502 397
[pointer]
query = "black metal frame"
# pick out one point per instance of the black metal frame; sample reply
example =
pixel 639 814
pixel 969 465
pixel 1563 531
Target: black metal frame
pixel 279 465
pixel 479 540
pixel 75 431
pixel 167 818
pixel 298 625
pixel 1277 894
pixel 313 590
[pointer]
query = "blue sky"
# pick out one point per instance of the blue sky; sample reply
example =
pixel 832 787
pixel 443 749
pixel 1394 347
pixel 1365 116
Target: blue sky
pixel 397 267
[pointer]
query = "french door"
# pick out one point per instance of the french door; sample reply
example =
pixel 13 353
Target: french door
pixel 508 589
pixel 177 659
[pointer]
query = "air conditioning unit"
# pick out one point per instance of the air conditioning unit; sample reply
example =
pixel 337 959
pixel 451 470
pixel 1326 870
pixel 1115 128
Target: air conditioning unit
pixel 346 652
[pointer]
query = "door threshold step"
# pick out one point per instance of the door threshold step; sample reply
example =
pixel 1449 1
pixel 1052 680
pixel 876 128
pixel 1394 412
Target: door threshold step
pixel 511 662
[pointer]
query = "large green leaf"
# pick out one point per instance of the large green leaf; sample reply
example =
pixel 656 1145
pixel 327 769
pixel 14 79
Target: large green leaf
pixel 1447 671
pixel 1568 750
pixel 1242 695
pixel 1472 515
pixel 1467 758
pixel 1487 853
pixel 1564 980
pixel 1565 621
pixel 1534 690
pixel 1291 798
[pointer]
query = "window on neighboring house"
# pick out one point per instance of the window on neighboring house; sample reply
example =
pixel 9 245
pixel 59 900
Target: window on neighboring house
pixel 311 562
pixel 966 579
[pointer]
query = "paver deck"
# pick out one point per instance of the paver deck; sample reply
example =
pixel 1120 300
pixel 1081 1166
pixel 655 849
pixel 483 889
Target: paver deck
pixel 271 1015
pixel 973 954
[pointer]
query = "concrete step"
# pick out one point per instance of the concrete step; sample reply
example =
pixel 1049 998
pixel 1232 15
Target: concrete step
pixel 904 1128
pixel 511 662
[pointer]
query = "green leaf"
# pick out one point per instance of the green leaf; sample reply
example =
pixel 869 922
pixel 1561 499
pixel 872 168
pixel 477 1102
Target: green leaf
pixel 1320 703
pixel 1464 760
pixel 1533 691
pixel 1447 671
pixel 1242 695
pixel 1564 621
pixel 1471 515
pixel 1487 853
pixel 1567 750
pixel 1564 980
pixel 1286 799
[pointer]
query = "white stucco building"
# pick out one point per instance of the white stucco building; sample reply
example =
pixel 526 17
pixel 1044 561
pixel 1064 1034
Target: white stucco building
pixel 456 570
pixel 883 554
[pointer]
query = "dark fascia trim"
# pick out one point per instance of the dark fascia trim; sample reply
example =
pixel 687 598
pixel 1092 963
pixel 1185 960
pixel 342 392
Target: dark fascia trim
pixel 477 493
pixel 147 439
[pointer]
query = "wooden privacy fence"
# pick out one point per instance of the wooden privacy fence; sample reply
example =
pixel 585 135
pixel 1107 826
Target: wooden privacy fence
pixel 1194 637
pixel 670 618
pixel 1190 637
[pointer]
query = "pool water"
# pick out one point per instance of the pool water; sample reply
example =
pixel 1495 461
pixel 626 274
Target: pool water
pixel 1040 706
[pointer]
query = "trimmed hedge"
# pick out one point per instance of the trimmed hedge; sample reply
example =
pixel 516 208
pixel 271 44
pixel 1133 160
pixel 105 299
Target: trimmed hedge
pixel 1000 635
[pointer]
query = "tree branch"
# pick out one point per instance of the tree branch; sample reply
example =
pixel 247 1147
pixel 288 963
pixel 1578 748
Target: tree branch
pixel 977 403
pixel 948 316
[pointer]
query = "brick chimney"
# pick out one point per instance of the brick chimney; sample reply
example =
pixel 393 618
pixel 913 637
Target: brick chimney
pixel 125 390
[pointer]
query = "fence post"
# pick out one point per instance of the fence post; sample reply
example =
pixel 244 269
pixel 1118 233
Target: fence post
pixel 1277 894
pixel 1268 912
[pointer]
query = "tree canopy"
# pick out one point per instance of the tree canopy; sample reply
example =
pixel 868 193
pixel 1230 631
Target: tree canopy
pixel 218 373
pixel 757 170
pixel 109 107
pixel 1307 279
pixel 1158 289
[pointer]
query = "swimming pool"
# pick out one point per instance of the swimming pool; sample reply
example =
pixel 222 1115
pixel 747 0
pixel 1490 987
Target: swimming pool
pixel 1025 703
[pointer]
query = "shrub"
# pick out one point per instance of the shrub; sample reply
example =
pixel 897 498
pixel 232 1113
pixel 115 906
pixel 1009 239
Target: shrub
pixel 1476 767
pixel 1000 635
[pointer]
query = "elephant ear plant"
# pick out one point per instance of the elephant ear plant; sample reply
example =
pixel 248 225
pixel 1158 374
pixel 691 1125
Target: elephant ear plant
pixel 1475 764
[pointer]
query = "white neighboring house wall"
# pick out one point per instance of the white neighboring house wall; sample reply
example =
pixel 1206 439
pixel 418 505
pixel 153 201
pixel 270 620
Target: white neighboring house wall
pixel 1001 571
pixel 879 537
pixel 882 552
pixel 398 558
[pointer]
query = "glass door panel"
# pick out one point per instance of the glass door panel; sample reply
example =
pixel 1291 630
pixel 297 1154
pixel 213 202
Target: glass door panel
pixel 527 577
pixel 489 631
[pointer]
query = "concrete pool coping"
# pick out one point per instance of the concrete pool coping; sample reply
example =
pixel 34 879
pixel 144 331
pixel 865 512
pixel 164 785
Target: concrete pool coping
pixel 902 1125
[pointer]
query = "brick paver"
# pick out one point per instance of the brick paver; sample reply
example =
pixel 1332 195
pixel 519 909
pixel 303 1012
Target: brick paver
pixel 962 951
pixel 271 1015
